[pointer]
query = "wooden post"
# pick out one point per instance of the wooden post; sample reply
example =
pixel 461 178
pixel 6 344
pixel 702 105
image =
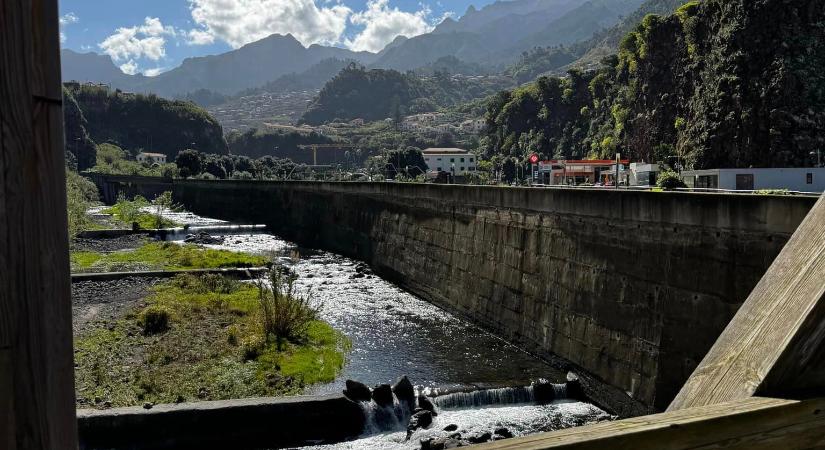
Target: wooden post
pixel 775 345
pixel 36 370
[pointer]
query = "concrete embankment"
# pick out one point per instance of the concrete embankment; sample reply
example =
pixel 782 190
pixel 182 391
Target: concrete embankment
pixel 633 287
pixel 226 424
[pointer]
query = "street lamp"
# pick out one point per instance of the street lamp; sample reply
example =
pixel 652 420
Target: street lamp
pixel 818 157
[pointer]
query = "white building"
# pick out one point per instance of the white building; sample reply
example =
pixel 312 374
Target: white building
pixel 806 179
pixel 473 126
pixel 151 158
pixel 643 174
pixel 455 161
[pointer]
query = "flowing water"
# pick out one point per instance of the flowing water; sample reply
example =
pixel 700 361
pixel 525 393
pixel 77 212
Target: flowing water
pixel 395 333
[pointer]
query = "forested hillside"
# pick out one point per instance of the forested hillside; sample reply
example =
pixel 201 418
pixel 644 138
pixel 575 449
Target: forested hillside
pixel 146 122
pixel 720 83
pixel 81 152
pixel 379 94
pixel 280 144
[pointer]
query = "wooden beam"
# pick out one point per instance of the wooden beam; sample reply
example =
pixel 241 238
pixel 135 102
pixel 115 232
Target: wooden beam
pixel 36 367
pixel 750 424
pixel 774 344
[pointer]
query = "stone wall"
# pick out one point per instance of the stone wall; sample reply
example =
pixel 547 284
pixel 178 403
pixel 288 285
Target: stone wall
pixel 634 287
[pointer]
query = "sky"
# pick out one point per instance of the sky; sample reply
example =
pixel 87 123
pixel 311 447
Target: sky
pixel 153 36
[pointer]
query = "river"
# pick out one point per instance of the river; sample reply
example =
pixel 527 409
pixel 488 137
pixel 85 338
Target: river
pixel 395 333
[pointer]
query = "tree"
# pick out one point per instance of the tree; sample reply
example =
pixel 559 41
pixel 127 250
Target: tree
pixel 408 161
pixel 189 162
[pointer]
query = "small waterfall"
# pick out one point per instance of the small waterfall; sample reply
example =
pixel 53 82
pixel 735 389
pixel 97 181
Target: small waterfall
pixel 227 229
pixel 541 392
pixel 501 396
pixel 380 419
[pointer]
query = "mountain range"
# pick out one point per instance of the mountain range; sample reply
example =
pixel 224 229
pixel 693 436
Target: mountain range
pixel 493 36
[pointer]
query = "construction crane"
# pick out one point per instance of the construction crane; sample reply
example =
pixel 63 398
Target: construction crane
pixel 316 147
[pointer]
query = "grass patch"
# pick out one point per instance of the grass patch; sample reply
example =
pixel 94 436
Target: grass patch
pixel 200 355
pixel 79 259
pixel 128 212
pixel 163 256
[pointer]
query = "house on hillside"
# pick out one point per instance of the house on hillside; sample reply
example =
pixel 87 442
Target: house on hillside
pixel 151 158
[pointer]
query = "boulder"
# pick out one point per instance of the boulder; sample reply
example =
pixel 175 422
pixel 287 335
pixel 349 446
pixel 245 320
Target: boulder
pixel 440 443
pixel 382 395
pixel 421 419
pixel 478 439
pixel 451 427
pixel 425 403
pixel 405 391
pixel 357 392
pixel 503 432
pixel 575 390
pixel 543 391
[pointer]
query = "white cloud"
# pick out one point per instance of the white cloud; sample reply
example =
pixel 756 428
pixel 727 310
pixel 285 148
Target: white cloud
pixel 66 20
pixel 382 24
pixel 239 22
pixel 154 72
pixel 145 41
pixel 130 67
pixel 199 37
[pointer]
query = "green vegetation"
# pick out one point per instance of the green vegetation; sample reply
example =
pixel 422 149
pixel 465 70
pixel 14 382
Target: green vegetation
pixel 162 256
pixel 81 194
pixel 138 122
pixel 286 315
pixel 79 147
pixel 538 61
pixel 256 143
pixel 377 94
pixel 147 215
pixel 693 84
pixel 198 165
pixel 192 342
pixel 112 159
pixel 668 179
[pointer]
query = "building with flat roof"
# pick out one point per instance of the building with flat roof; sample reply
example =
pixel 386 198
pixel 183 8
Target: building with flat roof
pixel 804 179
pixel 455 161
pixel 151 158
pixel 585 171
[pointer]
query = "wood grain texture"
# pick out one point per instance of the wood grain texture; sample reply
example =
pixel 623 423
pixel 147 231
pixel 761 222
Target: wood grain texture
pixel 774 344
pixel 750 424
pixel 36 367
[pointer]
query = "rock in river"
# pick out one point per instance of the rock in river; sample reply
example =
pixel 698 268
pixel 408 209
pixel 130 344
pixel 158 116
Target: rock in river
pixel 404 391
pixel 382 395
pixel 357 392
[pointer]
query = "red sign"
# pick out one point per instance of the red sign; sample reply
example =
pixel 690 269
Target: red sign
pixel 534 158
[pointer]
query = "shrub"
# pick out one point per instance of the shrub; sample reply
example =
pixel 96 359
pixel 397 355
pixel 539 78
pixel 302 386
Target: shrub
pixel 155 320
pixel 285 314
pixel 232 334
pixel 253 346
pixel 669 179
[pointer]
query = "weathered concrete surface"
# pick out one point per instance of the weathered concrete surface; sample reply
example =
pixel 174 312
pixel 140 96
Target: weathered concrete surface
pixel 225 424
pixel 634 287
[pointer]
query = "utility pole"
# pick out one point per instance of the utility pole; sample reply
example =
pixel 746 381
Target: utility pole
pixel 618 160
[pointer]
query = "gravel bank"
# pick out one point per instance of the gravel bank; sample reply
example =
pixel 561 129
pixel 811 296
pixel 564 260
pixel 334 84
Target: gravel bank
pixel 100 301
pixel 106 245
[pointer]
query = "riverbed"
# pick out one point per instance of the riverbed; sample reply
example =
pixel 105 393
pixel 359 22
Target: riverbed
pixel 395 333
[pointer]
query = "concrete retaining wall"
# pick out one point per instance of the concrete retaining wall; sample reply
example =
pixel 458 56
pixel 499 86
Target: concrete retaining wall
pixel 227 424
pixel 634 287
